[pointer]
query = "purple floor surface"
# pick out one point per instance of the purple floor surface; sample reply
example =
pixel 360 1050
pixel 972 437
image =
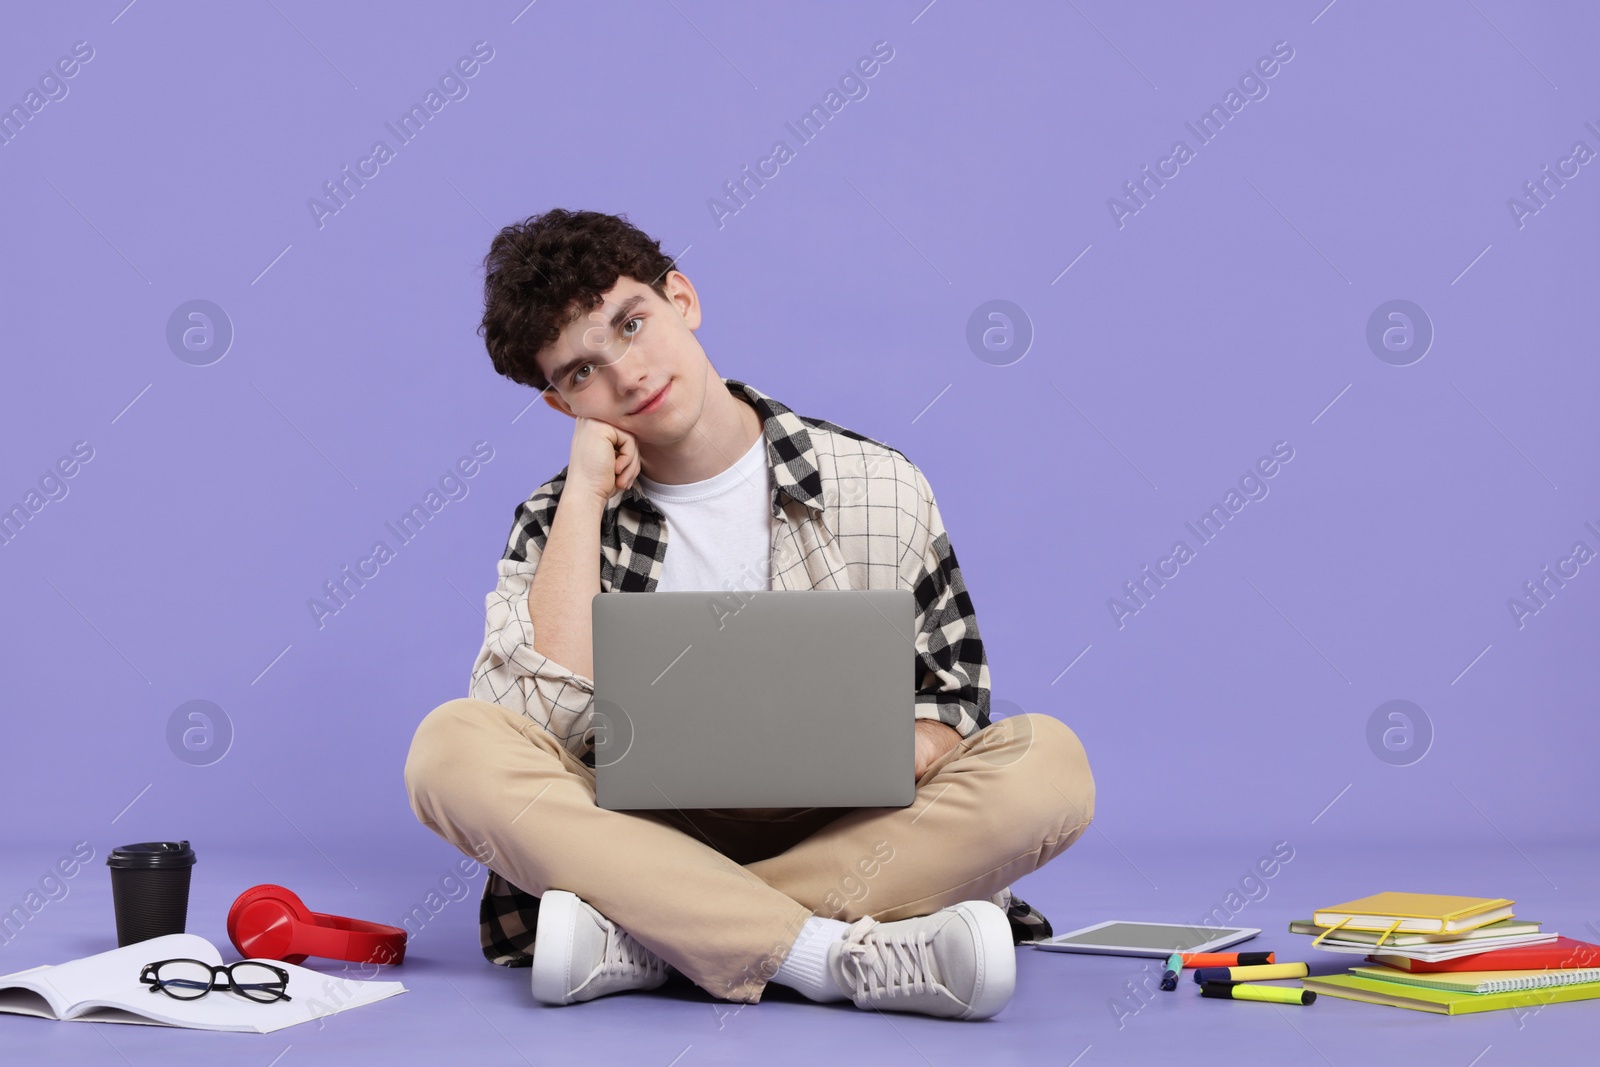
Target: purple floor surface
pixel 1068 1009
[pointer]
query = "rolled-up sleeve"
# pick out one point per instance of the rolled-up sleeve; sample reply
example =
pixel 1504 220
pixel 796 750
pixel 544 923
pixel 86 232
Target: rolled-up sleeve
pixel 509 671
pixel 953 685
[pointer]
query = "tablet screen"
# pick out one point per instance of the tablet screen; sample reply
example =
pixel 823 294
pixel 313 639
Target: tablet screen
pixel 1144 936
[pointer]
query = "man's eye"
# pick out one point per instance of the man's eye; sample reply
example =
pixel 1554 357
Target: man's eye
pixel 636 318
pixel 580 367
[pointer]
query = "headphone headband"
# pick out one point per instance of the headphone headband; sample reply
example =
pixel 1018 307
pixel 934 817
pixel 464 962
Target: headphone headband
pixel 271 922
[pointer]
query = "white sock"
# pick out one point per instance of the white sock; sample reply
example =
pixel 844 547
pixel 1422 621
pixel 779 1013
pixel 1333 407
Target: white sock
pixel 805 968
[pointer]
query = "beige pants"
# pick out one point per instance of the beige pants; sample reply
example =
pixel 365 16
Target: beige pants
pixel 721 895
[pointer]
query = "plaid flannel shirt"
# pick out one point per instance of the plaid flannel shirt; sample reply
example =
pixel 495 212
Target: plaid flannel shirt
pixel 848 512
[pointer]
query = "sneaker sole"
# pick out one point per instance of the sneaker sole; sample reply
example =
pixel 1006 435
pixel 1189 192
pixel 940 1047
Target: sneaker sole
pixel 997 958
pixel 552 946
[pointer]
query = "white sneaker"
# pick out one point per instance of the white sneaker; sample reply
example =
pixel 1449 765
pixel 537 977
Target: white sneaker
pixel 579 954
pixel 959 962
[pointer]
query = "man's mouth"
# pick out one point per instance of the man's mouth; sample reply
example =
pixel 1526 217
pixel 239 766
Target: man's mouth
pixel 654 402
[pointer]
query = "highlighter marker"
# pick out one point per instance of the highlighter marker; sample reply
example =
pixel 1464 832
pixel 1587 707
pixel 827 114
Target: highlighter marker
pixel 1272 994
pixel 1228 959
pixel 1169 978
pixel 1244 974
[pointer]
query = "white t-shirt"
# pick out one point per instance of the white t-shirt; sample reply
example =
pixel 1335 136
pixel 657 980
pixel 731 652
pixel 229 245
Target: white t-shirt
pixel 719 530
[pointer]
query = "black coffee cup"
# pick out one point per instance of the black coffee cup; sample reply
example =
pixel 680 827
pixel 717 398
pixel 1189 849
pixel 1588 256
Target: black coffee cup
pixel 150 889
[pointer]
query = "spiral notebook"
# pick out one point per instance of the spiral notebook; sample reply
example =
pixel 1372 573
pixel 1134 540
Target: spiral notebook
pixel 1483 981
pixel 1443 1001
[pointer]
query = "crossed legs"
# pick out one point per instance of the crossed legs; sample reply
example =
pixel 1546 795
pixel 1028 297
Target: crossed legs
pixel 999 805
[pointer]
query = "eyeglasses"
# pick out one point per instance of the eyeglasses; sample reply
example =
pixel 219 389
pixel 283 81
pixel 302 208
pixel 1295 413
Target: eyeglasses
pixel 193 979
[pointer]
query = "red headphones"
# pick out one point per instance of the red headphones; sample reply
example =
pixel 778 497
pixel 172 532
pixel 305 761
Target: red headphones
pixel 270 922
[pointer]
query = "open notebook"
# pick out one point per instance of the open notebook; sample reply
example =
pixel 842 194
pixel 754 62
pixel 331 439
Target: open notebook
pixel 106 988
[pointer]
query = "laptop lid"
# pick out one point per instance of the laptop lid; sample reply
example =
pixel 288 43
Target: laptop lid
pixel 764 699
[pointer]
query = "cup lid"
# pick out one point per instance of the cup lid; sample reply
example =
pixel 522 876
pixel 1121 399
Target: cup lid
pixel 152 855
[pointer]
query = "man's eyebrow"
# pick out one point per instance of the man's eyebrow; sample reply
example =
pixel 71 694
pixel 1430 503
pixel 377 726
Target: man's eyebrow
pixel 617 319
pixel 625 309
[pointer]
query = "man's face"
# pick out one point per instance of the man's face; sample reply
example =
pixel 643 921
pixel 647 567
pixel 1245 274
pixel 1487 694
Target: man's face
pixel 613 363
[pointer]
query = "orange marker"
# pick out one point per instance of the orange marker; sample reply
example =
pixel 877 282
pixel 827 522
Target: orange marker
pixel 1227 959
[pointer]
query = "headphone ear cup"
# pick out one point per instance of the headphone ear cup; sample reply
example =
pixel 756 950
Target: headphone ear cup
pixel 265 922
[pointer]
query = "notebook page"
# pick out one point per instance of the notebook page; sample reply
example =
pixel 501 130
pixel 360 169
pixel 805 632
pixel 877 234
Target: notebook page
pixel 105 973
pixel 111 980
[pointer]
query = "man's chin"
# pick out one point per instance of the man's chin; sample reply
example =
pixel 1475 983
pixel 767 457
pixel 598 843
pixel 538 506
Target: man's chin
pixel 660 430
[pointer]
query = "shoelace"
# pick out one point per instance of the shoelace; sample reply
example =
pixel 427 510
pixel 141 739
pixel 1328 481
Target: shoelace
pixel 625 957
pixel 879 962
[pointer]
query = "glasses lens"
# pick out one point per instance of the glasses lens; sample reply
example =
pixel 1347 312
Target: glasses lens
pixel 257 981
pixel 184 979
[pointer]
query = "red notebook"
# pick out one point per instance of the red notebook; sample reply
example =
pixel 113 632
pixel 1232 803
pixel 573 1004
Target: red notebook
pixel 1562 953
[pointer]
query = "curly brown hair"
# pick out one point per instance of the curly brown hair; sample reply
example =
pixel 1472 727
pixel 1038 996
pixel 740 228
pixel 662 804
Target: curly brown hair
pixel 544 272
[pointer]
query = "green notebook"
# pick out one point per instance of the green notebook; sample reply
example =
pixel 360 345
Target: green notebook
pixel 1443 1002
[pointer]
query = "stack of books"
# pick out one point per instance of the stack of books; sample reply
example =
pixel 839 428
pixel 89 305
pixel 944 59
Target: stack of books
pixel 1448 954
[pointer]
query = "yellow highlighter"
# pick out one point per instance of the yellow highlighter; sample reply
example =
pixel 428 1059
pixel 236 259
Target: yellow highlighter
pixel 1272 994
pixel 1263 973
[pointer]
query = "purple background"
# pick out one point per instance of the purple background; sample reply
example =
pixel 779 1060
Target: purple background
pixel 1228 314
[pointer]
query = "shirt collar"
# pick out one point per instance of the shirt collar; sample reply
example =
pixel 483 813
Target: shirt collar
pixel 790 455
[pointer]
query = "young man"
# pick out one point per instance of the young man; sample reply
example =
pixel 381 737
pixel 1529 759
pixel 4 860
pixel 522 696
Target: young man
pixel 681 479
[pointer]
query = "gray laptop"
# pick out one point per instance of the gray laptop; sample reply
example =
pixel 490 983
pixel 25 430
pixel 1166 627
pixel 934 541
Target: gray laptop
pixel 765 699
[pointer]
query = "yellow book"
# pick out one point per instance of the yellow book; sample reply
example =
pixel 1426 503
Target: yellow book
pixel 1419 913
pixel 1441 1001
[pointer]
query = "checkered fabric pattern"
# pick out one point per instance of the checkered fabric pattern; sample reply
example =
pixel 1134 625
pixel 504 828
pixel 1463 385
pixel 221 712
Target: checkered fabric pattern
pixel 848 513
